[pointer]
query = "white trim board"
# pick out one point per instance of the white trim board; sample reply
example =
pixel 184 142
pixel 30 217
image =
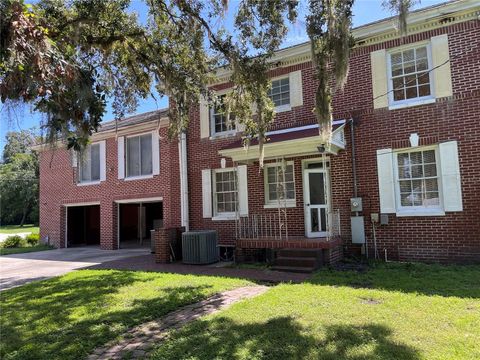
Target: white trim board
pixel 91 203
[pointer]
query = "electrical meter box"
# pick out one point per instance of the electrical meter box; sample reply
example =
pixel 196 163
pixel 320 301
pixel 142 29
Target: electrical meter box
pixel 356 204
pixel 358 229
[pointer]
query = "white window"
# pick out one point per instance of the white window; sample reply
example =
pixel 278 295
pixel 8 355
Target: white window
pixel 89 169
pixel 417 184
pixel 225 194
pixel 139 155
pixel 279 184
pixel 221 123
pixel 280 92
pixel 409 75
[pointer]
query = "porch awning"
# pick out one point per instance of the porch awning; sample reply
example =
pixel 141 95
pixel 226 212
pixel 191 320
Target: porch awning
pixel 299 141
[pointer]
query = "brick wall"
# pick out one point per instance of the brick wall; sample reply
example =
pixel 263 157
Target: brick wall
pixel 453 237
pixel 58 187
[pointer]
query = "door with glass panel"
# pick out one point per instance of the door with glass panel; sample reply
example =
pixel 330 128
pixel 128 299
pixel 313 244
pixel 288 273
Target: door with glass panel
pixel 316 199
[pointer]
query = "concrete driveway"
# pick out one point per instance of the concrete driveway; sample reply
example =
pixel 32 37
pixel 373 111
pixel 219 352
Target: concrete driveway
pixel 19 269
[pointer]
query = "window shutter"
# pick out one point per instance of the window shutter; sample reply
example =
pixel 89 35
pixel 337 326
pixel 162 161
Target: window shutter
pixel 378 60
pixel 103 161
pixel 296 92
pixel 121 157
pixel 74 158
pixel 155 153
pixel 207 193
pixel 386 187
pixel 204 118
pixel 442 78
pixel 242 190
pixel 450 172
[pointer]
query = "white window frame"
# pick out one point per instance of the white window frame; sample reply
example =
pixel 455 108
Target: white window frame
pixel 223 215
pixel 276 203
pixel 285 107
pixel 418 210
pixel 137 177
pixel 81 182
pixel 413 101
pixel 211 113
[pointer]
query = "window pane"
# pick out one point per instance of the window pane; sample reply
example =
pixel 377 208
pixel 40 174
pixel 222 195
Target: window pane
pixel 280 92
pixel 95 162
pixel 146 154
pixel 411 92
pixel 133 156
pixel 225 188
pixel 422 189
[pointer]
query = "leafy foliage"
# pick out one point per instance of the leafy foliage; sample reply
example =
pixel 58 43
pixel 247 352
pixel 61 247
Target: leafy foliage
pixel 13 241
pixel 67 58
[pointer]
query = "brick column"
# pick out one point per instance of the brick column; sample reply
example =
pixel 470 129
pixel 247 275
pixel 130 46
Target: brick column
pixel 108 221
pixel 162 245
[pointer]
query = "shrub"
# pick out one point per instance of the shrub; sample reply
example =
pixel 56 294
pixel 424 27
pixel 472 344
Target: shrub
pixel 12 241
pixel 33 239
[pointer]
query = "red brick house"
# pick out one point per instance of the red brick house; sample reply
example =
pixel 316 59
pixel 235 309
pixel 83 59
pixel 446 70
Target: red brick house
pixel 399 180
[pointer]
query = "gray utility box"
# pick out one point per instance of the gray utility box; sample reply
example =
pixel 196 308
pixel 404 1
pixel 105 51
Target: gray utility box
pixel 358 229
pixel 199 247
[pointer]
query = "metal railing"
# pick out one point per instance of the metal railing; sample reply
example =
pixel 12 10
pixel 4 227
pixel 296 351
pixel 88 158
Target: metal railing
pixel 271 225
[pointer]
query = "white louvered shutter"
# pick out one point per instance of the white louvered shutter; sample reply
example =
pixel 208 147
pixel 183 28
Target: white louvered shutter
pixel 204 119
pixel 386 185
pixel 207 193
pixel 378 60
pixel 155 153
pixel 296 92
pixel 242 190
pixel 450 174
pixel 442 77
pixel 121 157
pixel 103 160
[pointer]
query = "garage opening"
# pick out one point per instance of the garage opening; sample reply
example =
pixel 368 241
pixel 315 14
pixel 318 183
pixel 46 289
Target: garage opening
pixel 136 220
pixel 83 225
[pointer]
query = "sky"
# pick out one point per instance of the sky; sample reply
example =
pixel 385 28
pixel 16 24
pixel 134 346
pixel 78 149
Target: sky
pixel 365 11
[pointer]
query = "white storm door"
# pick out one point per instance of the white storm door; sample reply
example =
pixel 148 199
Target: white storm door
pixel 316 200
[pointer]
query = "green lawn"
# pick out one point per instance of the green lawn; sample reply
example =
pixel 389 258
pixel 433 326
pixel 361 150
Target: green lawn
pixel 393 311
pixel 27 249
pixel 69 316
pixel 15 229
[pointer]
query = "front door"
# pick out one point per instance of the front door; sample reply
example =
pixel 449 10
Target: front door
pixel 316 193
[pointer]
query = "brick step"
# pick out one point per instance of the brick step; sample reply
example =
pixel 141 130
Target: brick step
pixel 296 261
pixel 309 253
pixel 295 269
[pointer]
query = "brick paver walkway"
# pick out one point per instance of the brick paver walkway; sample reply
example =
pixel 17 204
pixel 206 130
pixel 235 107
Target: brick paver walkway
pixel 138 341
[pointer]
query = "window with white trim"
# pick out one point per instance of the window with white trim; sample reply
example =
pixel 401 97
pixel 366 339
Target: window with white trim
pixel 279 185
pixel 89 169
pixel 409 75
pixel 138 155
pixel 280 92
pixel 417 179
pixel 221 121
pixel 225 194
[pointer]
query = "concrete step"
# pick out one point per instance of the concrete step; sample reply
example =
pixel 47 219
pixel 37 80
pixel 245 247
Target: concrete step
pixel 295 269
pixel 296 261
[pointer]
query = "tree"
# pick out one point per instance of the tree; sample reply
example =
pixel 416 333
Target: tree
pixel 17 142
pixel 19 188
pixel 67 58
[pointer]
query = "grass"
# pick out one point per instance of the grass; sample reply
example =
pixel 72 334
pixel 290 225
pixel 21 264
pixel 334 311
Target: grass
pixel 15 229
pixel 25 249
pixel 392 311
pixel 69 316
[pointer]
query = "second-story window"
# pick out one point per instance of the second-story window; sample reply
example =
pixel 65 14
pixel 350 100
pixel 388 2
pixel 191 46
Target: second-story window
pixel 409 75
pixel 139 155
pixel 89 169
pixel 221 123
pixel 280 92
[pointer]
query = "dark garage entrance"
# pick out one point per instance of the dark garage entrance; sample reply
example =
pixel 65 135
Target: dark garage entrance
pixel 135 222
pixel 83 225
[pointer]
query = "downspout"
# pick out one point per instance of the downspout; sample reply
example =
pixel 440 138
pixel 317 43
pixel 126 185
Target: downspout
pixel 182 154
pixel 354 164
